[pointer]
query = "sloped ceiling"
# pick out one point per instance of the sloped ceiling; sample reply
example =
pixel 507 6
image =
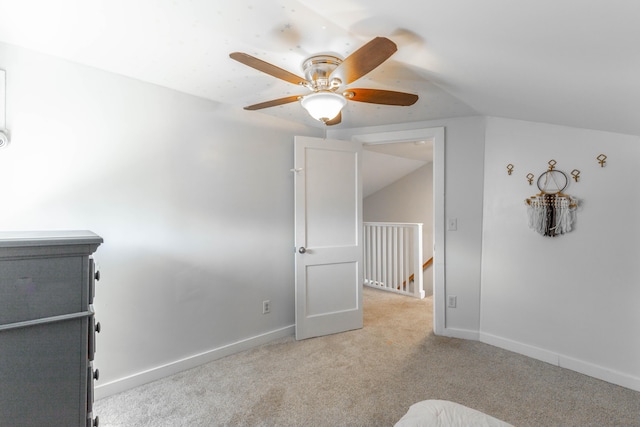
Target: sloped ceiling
pixel 383 164
pixel 569 62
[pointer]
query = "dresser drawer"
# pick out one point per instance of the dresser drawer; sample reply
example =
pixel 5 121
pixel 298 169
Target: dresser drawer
pixel 41 368
pixel 39 288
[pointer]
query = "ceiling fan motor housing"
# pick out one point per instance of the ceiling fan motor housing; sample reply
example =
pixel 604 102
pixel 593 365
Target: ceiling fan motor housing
pixel 318 69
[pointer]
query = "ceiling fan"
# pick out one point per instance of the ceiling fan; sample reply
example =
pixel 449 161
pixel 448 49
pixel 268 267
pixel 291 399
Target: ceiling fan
pixel 326 77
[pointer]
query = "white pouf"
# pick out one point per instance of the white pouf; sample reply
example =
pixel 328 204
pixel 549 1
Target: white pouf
pixel 442 413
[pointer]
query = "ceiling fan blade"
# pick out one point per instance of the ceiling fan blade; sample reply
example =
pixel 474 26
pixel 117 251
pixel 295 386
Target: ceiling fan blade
pixel 265 67
pixel 273 102
pixel 379 96
pixel 336 120
pixel 364 59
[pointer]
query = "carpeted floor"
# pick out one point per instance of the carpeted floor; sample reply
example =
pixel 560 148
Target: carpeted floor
pixel 370 377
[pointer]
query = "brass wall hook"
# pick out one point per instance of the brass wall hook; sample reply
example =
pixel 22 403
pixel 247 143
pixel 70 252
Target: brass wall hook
pixel 552 164
pixel 601 159
pixel 509 168
pixel 575 174
pixel 530 177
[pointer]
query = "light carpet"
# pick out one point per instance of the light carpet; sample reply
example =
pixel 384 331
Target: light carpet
pixel 370 377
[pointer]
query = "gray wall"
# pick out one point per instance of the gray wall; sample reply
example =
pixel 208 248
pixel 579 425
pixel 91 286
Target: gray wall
pixel 194 201
pixel 464 154
pixel 571 300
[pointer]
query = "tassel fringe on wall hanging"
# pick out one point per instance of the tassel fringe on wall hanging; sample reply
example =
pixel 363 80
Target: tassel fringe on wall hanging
pixel 551 212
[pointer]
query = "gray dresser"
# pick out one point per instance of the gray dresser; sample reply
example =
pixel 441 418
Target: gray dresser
pixel 47 328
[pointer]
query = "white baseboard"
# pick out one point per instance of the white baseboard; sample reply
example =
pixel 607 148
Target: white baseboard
pixel 605 374
pixel 153 374
pixel 595 371
pixel 464 334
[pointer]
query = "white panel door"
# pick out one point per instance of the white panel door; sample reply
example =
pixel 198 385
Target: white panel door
pixel 328 234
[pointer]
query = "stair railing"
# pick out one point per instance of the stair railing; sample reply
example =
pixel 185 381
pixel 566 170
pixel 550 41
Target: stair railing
pixel 393 257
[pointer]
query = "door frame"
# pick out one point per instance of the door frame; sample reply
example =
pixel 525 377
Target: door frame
pixel 437 135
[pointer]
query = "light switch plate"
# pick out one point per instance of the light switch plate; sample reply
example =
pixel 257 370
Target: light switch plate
pixel 452 301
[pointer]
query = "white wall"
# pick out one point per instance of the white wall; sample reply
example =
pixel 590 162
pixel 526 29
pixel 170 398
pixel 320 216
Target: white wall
pixel 464 155
pixel 571 300
pixel 409 199
pixel 194 201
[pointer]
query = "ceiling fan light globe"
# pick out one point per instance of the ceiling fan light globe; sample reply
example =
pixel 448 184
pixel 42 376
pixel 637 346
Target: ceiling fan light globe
pixel 323 106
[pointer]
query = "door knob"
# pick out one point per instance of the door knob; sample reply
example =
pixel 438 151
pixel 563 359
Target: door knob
pixel 302 250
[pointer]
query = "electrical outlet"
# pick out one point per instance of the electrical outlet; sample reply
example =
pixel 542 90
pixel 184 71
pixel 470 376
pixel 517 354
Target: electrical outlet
pixel 266 307
pixel 452 301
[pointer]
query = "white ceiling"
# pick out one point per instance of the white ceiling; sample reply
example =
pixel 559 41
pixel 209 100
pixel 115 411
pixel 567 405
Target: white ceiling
pixel 571 62
pixel 417 150
pixel 383 164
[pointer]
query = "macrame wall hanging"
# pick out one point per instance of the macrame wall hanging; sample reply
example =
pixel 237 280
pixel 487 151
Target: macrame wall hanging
pixel 551 212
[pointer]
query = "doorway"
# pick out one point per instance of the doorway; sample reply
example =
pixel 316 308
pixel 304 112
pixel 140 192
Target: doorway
pixel 398 206
pixel 437 137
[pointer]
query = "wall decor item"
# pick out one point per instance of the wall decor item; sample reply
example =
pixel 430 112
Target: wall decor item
pixel 509 168
pixel 575 174
pixel 601 159
pixel 530 177
pixel 551 212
